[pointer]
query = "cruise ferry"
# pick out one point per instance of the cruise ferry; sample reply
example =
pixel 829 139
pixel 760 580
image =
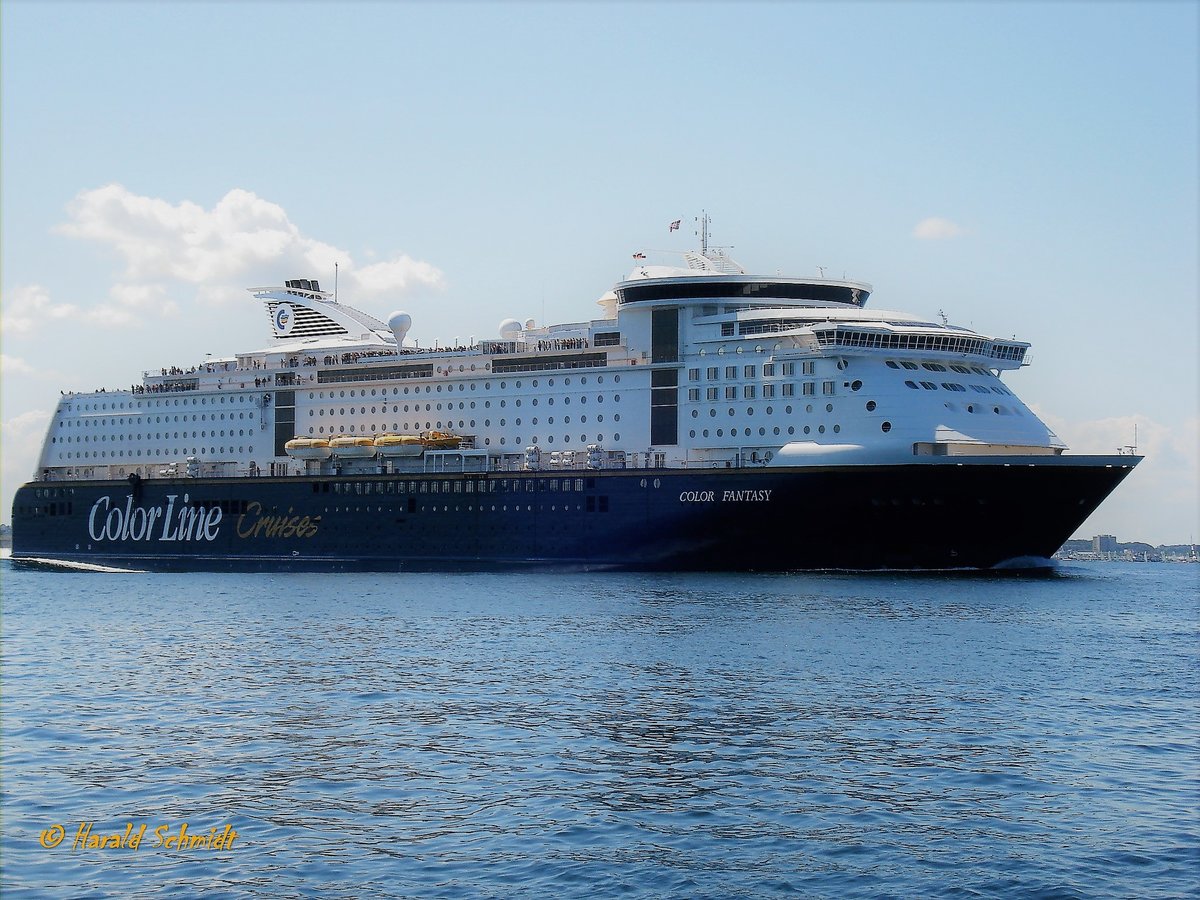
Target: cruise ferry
pixel 705 419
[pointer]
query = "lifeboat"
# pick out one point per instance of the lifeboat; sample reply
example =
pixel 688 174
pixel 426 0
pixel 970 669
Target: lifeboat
pixel 308 448
pixel 440 440
pixel 399 445
pixel 353 447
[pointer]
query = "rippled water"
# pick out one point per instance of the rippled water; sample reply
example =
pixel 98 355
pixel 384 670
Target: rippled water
pixel 632 736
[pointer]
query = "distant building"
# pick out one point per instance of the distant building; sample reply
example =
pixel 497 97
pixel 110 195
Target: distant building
pixel 1104 543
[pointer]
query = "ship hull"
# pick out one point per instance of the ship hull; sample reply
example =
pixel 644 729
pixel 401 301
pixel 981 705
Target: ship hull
pixel 980 513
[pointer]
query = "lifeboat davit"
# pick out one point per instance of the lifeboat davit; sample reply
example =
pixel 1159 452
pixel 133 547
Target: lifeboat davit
pixel 308 448
pixel 399 445
pixel 353 447
pixel 441 440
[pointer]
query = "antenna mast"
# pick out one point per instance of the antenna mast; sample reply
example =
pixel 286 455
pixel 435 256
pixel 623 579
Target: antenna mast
pixel 335 280
pixel 703 220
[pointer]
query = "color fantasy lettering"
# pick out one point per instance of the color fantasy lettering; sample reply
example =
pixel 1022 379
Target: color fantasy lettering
pixel 746 496
pixel 763 496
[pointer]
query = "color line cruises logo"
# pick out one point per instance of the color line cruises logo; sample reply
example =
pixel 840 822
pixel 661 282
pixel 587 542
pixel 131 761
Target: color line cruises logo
pixel 185 522
pixel 284 318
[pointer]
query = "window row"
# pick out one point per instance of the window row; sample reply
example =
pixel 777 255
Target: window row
pixel 770 410
pixel 958 388
pixel 762 431
pixel 769 370
pixel 169 452
pixel 460 486
pixel 937 367
pixel 430 407
pixel 222 399
pixel 139 419
pixel 766 391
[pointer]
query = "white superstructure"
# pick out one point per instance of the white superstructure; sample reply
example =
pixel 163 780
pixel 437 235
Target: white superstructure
pixel 687 367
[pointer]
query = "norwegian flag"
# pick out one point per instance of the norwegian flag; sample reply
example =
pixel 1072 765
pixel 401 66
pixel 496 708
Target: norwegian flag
pixel 674 225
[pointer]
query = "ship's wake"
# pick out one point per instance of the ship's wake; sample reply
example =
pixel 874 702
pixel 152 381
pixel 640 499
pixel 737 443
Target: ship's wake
pixel 66 565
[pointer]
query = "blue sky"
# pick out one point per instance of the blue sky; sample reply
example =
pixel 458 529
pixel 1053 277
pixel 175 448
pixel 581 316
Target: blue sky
pixel 472 162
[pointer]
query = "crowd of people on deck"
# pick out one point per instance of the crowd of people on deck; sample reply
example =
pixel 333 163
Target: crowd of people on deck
pixel 349 358
pixel 563 344
pixel 168 388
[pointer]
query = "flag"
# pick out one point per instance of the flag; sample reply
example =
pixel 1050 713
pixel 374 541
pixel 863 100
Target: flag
pixel 639 256
pixel 675 225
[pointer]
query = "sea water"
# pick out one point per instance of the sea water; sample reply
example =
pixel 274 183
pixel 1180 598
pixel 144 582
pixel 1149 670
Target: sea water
pixel 602 735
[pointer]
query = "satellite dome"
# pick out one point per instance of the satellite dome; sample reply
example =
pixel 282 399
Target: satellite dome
pixel 509 329
pixel 399 323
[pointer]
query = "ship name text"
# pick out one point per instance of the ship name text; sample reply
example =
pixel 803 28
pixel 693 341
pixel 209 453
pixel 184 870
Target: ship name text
pixel 763 496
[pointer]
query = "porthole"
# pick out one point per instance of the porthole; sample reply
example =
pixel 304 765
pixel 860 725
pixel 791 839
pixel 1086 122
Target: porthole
pixel 855 385
pixel 885 427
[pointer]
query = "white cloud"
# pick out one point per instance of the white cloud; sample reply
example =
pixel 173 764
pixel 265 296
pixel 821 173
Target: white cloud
pixel 243 237
pixel 21 436
pixel 936 229
pixel 14 365
pixel 396 276
pixel 1159 501
pixel 27 306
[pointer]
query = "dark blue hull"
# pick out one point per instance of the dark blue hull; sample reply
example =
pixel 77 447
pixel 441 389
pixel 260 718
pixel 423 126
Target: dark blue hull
pixel 944 515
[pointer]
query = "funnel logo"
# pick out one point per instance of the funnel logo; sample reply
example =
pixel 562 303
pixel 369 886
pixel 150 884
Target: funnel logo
pixel 285 317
